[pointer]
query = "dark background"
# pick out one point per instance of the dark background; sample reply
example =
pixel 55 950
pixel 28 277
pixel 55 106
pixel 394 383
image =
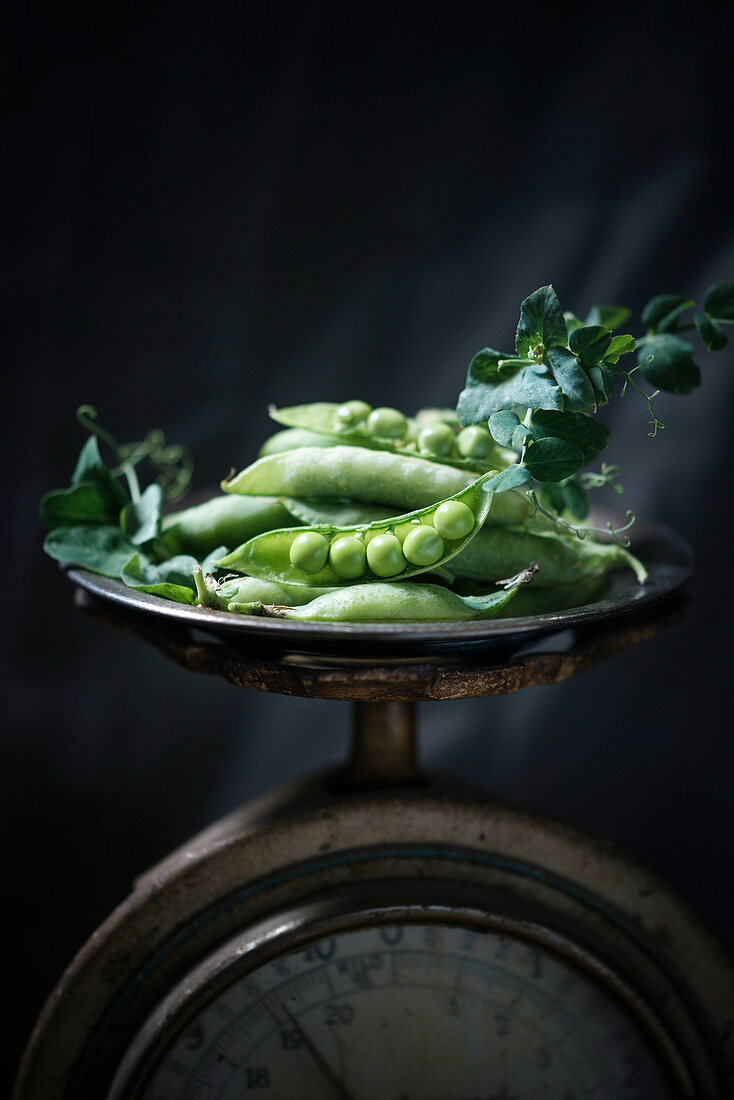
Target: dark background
pixel 213 208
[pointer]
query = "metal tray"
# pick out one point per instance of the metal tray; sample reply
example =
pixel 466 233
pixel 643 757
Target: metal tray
pixel 668 558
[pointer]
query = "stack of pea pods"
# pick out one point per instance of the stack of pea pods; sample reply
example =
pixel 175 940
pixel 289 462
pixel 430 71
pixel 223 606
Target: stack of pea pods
pixel 361 514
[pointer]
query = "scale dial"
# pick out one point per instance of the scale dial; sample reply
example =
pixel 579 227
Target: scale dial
pixel 404 945
pixel 463 1005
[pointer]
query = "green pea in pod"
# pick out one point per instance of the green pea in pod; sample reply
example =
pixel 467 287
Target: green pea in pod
pixel 385 429
pixel 395 548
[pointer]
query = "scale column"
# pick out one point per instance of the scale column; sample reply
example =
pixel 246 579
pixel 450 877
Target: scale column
pixel 383 752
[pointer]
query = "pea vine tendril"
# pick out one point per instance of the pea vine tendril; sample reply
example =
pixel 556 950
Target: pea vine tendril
pixel 172 464
pixel 656 425
pixel 581 532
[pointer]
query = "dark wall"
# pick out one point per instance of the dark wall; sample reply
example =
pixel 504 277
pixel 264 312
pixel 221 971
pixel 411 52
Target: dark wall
pixel 212 209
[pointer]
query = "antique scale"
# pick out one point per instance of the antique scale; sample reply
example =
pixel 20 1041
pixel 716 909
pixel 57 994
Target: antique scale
pixel 373 931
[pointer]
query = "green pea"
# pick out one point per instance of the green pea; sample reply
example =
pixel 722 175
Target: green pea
pixel 309 552
pixel 436 439
pixel 402 530
pixel 386 423
pixel 347 557
pixel 474 442
pixel 453 519
pixel 423 546
pixel 353 412
pixel 385 556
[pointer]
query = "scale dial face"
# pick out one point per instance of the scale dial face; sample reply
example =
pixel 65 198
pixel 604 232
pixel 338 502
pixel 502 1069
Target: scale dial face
pixel 410 1011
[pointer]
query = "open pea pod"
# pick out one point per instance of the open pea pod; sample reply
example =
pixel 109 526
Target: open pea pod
pixel 327 556
pixel 355 423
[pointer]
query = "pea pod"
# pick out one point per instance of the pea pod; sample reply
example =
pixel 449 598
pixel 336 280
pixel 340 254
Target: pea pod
pixel 325 555
pixel 356 423
pixel 498 552
pixel 290 439
pixel 358 474
pixel 253 590
pixel 391 601
pixel 222 521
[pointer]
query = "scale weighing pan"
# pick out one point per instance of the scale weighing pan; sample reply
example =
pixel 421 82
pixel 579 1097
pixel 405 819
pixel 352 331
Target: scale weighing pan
pixel 667 557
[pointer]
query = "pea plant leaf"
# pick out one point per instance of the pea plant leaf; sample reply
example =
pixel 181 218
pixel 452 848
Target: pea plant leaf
pixel 84 502
pixel 140 520
pixel 99 548
pixel 90 467
pixel 610 317
pixel 512 477
pixel 718 303
pixel 671 367
pixel 618 346
pixel 590 343
pixel 573 381
pixel 568 497
pixel 662 313
pixel 710 332
pixel 541 324
pixel 522 385
pixel 551 459
pixel 502 427
pixel 586 434
pixel 172 579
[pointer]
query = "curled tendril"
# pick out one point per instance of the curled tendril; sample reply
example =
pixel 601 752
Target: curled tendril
pixel 87 417
pixel 173 463
pixel 606 476
pixel 582 532
pixel 655 424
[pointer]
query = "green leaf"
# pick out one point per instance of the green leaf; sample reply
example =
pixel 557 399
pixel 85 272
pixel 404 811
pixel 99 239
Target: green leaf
pixel 512 477
pixel 578 392
pixel 502 427
pixel 172 580
pixel 661 314
pixel 601 380
pixel 541 323
pixel 90 467
pixel 710 332
pixel 209 564
pixel 586 434
pixel 82 503
pixel 100 549
pixel 572 321
pixel 553 459
pixel 527 387
pixel 590 343
pixel 619 346
pixel 672 368
pixel 141 520
pixel 568 498
pixel 576 502
pixel 610 317
pixel 484 368
pixel 718 303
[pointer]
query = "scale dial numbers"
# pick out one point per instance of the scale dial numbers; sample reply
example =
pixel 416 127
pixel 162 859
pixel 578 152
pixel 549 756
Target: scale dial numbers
pixel 411 1011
